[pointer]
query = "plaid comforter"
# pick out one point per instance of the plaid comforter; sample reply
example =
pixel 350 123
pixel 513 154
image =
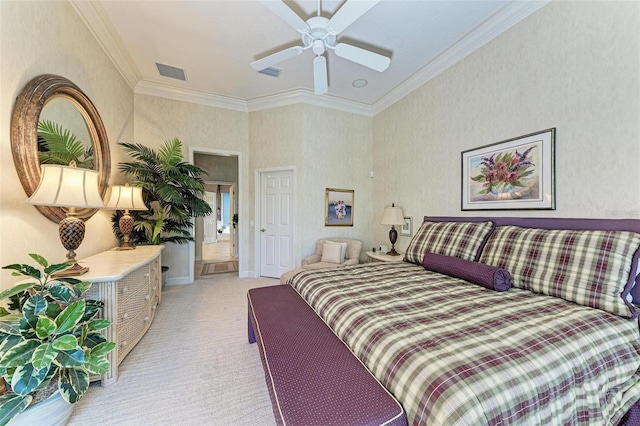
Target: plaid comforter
pixel 454 353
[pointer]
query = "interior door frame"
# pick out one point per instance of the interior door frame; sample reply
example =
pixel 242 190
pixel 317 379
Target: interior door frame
pixel 258 214
pixel 242 252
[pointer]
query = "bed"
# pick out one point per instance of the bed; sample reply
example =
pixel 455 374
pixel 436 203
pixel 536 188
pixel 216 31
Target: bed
pixel 498 321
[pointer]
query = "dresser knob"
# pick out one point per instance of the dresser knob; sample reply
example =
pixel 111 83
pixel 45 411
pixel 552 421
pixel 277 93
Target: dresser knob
pixel 125 316
pixel 146 319
pixel 146 297
pixel 154 307
pixel 124 290
pixel 125 343
pixel 146 275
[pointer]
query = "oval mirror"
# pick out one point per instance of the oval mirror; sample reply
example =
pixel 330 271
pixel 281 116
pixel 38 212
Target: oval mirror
pixel 50 106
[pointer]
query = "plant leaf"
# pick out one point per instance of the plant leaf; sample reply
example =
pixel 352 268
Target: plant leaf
pixel 11 405
pixel 61 292
pixel 97 365
pixel 70 316
pixel 73 383
pixel 98 324
pixel 41 260
pixel 26 378
pixel 10 324
pixel 66 342
pixel 20 354
pixel 45 327
pixel 27 270
pixel 71 358
pixel 102 349
pixel 43 356
pixel 15 289
pixel 35 305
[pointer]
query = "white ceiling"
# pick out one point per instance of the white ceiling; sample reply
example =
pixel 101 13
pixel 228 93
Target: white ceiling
pixel 214 41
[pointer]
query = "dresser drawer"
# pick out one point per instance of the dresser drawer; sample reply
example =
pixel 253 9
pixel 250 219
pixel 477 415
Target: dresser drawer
pixel 130 307
pixel 133 282
pixel 130 333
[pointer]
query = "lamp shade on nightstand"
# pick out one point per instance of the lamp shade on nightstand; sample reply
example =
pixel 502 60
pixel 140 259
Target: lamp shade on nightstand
pixel 393 216
pixel 126 197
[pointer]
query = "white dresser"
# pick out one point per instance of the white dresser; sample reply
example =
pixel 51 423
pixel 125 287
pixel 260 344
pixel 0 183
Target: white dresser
pixel 129 284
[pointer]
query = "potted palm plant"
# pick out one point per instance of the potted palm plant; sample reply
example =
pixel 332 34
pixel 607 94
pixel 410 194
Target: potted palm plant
pixel 50 344
pixel 172 189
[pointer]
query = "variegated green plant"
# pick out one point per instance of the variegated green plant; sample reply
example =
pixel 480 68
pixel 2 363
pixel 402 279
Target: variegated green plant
pixel 48 333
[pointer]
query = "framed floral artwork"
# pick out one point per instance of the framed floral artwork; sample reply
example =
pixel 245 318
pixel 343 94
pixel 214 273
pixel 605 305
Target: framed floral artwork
pixel 515 174
pixel 338 210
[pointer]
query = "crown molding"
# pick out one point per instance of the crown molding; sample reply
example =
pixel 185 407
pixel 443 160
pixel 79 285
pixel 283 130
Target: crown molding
pixel 145 87
pixel 509 16
pixel 308 97
pixel 98 24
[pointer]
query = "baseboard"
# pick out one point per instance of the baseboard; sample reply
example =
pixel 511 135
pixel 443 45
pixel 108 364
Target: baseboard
pixel 178 281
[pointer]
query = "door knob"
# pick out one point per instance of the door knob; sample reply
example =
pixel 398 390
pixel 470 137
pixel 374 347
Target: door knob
pixel 262 230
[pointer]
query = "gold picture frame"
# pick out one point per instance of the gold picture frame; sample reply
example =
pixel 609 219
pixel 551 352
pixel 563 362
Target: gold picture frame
pixel 338 207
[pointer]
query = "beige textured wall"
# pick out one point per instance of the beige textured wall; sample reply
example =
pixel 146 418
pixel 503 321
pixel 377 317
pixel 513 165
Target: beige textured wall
pixel 30 46
pixel 328 149
pixel 197 126
pixel 574 66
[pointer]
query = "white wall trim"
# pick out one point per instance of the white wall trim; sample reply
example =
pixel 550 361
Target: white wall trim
pixel 242 252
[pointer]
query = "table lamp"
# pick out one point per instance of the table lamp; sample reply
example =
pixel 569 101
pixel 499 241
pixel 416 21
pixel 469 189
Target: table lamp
pixel 70 187
pixel 126 197
pixel 393 216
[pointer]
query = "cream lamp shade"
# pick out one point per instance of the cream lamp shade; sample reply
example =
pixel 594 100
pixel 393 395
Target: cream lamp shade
pixel 126 197
pixel 393 216
pixel 71 187
pixel 67 186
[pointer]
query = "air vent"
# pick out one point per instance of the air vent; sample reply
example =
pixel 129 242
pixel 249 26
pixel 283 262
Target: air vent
pixel 272 71
pixel 171 72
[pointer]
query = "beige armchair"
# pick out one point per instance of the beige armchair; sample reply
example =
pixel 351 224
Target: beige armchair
pixel 351 257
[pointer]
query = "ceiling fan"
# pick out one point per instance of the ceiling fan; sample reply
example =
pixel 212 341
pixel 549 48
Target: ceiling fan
pixel 320 34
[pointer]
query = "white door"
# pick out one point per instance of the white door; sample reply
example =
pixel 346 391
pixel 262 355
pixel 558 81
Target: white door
pixel 209 232
pixel 276 223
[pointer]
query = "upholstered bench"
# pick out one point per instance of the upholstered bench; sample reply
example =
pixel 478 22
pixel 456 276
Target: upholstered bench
pixel 313 378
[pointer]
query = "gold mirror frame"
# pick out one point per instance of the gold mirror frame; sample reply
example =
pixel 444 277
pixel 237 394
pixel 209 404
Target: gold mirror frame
pixel 24 136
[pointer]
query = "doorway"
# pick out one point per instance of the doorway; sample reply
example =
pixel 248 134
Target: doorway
pixel 216 246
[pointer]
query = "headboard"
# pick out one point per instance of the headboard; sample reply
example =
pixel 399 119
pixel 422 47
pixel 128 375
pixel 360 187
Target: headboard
pixel 632 225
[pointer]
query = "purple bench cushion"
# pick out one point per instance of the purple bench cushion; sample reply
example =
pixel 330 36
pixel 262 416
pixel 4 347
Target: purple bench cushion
pixel 478 273
pixel 312 376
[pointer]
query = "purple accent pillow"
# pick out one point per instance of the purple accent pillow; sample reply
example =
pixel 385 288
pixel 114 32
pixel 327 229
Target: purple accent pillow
pixel 487 276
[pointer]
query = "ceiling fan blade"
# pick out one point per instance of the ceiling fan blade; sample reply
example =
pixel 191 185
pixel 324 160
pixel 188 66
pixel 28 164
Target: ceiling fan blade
pixel 280 9
pixel 363 57
pixel 276 58
pixel 320 84
pixel 348 13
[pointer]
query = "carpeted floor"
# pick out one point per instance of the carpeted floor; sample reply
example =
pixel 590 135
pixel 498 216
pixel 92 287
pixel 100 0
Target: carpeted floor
pixel 193 367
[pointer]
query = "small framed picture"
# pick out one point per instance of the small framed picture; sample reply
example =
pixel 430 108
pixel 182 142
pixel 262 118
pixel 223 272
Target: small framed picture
pixel 407 227
pixel 338 209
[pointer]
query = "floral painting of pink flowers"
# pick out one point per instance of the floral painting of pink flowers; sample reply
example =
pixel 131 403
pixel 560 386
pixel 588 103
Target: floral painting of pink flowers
pixel 505 172
pixel 513 174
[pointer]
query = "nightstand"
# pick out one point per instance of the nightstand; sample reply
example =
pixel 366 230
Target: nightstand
pixel 375 256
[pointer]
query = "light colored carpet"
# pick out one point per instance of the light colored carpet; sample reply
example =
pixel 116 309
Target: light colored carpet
pixel 193 367
pixel 212 268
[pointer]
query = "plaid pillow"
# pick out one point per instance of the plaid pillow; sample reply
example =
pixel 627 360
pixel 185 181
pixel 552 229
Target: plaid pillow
pixel 590 268
pixel 458 239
